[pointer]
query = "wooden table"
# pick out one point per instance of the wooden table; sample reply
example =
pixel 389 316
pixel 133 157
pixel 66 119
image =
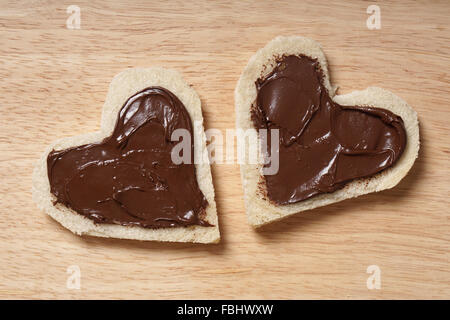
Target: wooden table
pixel 54 81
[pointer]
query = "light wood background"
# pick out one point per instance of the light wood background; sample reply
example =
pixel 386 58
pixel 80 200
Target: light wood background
pixel 54 81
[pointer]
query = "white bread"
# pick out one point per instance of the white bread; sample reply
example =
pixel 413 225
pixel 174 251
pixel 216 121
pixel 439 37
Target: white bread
pixel 123 86
pixel 259 210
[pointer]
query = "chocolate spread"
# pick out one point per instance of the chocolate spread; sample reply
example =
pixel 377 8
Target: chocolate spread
pixel 322 145
pixel 129 177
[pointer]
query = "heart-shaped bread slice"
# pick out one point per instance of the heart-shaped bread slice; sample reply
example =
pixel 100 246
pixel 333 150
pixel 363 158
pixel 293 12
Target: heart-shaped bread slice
pixel 331 147
pixel 121 182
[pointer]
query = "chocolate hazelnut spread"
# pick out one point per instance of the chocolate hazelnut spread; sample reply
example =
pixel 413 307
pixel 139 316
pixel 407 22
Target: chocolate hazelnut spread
pixel 129 178
pixel 322 145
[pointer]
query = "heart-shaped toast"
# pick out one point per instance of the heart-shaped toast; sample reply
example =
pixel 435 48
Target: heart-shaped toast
pixel 121 182
pixel 329 147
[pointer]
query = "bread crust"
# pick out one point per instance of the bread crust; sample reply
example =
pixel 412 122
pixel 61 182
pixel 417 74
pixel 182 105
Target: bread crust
pixel 260 211
pixel 123 86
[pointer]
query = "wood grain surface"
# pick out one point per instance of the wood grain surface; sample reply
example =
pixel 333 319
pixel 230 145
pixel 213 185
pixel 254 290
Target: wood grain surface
pixel 53 84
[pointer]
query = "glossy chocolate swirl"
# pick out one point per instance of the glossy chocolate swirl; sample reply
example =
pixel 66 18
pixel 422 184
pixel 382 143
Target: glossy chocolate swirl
pixel 323 145
pixel 129 178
